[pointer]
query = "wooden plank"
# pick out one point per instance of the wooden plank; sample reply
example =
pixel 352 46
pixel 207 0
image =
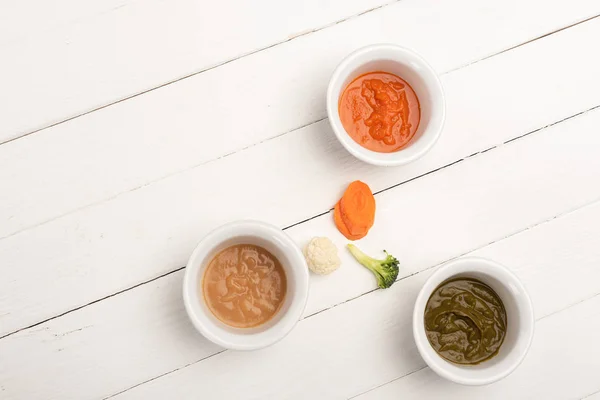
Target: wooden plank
pixel 563 363
pixel 137 142
pixel 29 18
pixel 132 46
pixel 138 45
pixel 129 338
pixel 82 257
pixel 368 341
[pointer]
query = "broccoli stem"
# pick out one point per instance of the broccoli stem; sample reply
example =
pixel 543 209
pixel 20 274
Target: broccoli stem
pixel 363 258
pixel 386 271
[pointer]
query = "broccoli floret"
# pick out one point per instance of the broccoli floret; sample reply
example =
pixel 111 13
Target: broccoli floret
pixel 386 271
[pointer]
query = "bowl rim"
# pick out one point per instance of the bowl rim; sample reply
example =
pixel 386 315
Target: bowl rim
pixel 396 53
pixel 242 340
pixel 442 274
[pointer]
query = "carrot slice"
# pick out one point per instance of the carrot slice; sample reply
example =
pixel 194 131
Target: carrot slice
pixel 339 223
pixel 357 208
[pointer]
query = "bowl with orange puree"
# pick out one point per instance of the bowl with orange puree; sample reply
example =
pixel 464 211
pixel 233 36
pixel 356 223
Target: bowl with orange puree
pixel 386 105
pixel 245 285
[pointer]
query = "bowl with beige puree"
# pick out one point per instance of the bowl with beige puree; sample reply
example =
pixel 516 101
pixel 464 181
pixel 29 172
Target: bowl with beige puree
pixel 245 285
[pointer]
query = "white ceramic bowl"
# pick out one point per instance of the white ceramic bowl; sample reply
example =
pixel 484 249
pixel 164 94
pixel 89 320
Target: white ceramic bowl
pixel 296 271
pixel 519 313
pixel 412 68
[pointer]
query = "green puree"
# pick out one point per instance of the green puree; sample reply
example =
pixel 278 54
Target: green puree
pixel 465 321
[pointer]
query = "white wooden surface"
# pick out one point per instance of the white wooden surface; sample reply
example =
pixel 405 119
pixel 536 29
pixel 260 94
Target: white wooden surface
pixel 111 169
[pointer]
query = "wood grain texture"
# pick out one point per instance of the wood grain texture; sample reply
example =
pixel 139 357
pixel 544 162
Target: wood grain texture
pixel 361 344
pixel 107 55
pixel 144 139
pixel 81 256
pixel 143 333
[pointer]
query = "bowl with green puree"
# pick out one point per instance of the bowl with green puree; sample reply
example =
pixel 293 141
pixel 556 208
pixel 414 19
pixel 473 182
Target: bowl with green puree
pixel 473 321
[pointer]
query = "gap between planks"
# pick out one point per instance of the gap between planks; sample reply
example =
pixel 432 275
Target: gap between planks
pixel 310 123
pixel 209 68
pixel 590 395
pixel 427 367
pixel 160 178
pixel 164 374
pixel 243 55
pixel 527 42
pixel 558 216
pixel 327 211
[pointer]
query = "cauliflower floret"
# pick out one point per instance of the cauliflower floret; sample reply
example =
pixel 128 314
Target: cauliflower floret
pixel 322 256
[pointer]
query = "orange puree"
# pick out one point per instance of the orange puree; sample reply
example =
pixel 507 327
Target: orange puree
pixel 380 111
pixel 244 286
